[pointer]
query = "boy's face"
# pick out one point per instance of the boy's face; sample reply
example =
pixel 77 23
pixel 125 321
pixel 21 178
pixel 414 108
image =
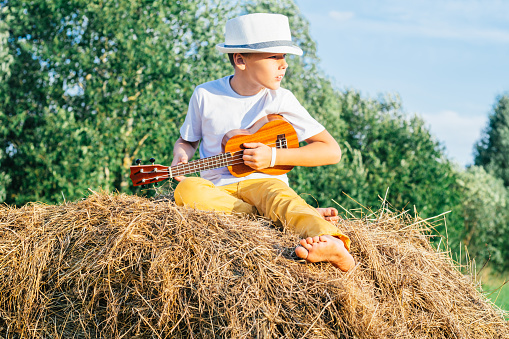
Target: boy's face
pixel 265 70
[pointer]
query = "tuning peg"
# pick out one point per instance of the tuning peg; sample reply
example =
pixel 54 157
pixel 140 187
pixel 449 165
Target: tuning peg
pixel 152 160
pixel 138 161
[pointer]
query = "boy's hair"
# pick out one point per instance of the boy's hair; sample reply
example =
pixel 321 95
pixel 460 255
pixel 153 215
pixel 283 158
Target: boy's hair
pixel 230 56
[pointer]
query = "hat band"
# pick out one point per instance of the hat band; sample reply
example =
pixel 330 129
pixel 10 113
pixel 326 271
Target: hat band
pixel 261 45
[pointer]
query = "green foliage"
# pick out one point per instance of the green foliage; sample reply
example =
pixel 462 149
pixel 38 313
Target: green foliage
pixel 487 198
pixel 4 180
pixel 401 155
pixel 6 60
pixel 95 85
pixel 485 213
pixel 492 151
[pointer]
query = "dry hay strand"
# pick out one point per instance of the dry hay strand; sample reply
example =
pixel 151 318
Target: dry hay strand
pixel 120 266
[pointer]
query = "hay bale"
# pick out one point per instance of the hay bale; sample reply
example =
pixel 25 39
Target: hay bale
pixel 119 266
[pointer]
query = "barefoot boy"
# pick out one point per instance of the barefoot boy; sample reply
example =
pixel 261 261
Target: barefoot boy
pixel 257 45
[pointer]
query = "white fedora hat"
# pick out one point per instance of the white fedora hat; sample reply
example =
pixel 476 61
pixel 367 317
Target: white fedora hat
pixel 258 33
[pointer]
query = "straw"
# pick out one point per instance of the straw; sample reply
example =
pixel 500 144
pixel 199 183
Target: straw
pixel 120 266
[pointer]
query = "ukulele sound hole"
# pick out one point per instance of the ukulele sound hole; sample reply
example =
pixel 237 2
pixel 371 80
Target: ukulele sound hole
pixel 281 141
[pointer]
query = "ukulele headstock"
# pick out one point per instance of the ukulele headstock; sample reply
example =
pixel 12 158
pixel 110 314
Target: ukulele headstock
pixel 148 174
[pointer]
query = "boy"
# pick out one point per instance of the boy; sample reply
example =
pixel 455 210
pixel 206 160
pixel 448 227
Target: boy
pixel 257 45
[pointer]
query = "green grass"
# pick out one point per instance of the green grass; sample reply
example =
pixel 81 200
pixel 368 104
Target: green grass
pixel 494 288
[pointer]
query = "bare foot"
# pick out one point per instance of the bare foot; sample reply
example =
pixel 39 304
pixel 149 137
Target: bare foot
pixel 329 214
pixel 325 248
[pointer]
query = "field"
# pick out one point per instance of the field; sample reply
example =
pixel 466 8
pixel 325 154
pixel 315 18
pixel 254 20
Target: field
pixel 496 290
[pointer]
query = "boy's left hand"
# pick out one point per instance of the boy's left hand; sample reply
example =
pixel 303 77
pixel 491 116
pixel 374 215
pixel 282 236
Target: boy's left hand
pixel 257 155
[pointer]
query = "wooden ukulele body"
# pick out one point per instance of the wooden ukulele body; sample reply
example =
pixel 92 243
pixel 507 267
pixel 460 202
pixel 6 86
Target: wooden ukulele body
pixel 272 130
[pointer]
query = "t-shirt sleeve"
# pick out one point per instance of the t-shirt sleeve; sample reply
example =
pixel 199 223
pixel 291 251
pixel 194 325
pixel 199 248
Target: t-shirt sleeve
pixel 191 128
pixel 304 124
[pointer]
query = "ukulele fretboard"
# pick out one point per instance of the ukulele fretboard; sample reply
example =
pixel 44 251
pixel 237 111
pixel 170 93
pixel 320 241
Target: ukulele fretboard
pixel 209 163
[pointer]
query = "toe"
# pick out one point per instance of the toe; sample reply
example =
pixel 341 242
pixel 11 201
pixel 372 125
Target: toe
pixel 304 243
pixel 301 252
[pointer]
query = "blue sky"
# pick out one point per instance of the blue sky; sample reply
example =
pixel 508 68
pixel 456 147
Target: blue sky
pixel 447 60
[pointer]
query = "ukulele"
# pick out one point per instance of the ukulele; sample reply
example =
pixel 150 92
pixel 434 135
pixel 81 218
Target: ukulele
pixel 272 130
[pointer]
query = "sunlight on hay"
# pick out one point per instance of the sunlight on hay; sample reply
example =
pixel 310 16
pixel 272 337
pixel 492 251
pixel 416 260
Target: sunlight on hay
pixel 120 266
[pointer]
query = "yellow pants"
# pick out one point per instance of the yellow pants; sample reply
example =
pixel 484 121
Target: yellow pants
pixel 271 198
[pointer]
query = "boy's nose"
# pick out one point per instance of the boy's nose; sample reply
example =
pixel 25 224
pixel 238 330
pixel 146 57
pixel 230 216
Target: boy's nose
pixel 283 64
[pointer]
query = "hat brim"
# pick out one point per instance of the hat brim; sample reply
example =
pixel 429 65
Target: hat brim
pixel 274 49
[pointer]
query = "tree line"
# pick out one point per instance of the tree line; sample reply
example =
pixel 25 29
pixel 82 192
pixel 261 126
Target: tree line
pixel 86 87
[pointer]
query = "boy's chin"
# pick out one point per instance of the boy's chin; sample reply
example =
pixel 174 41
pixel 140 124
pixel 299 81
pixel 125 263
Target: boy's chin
pixel 273 87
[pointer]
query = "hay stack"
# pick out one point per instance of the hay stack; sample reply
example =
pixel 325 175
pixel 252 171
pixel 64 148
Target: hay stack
pixel 119 266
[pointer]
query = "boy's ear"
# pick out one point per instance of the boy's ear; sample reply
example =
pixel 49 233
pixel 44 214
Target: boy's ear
pixel 239 60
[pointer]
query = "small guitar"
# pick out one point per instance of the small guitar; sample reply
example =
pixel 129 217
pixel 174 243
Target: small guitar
pixel 272 130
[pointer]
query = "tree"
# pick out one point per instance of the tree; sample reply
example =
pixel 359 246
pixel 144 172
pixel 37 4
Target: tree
pixel 6 60
pixel 485 217
pixel 95 85
pixel 492 151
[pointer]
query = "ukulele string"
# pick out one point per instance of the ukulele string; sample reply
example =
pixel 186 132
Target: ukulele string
pixel 235 159
pixel 230 162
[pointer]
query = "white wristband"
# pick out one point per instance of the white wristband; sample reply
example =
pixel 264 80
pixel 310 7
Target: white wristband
pixel 273 160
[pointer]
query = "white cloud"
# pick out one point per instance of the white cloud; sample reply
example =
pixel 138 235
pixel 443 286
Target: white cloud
pixel 467 20
pixel 341 16
pixel 437 30
pixel 458 133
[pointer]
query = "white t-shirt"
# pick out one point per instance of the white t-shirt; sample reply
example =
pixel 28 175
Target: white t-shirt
pixel 215 109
